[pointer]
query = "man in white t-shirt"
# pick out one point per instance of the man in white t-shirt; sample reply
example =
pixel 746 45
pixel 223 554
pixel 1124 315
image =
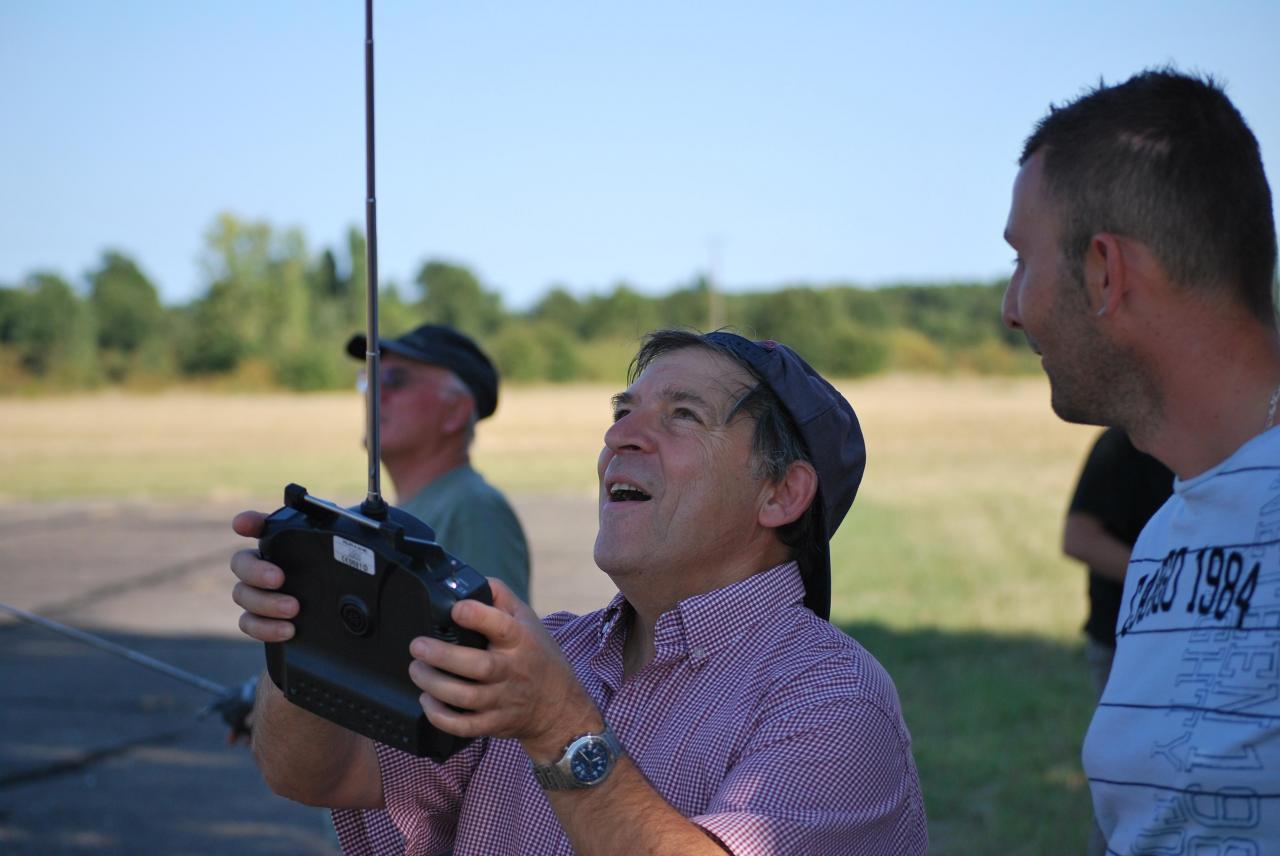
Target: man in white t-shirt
pixel 1145 278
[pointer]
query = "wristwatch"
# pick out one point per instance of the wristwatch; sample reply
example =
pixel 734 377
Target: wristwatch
pixel 585 763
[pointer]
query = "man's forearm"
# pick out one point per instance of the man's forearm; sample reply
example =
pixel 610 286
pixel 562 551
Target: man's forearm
pixel 311 760
pixel 1085 538
pixel 626 815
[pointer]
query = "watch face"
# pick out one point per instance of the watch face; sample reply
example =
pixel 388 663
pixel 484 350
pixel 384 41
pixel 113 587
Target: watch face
pixel 590 761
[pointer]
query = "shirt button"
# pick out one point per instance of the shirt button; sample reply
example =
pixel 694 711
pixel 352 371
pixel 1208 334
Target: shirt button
pixel 699 652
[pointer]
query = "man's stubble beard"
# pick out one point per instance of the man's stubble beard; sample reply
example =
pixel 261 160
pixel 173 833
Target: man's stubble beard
pixel 1103 382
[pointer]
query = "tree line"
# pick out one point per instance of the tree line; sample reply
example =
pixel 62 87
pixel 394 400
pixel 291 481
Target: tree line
pixel 274 314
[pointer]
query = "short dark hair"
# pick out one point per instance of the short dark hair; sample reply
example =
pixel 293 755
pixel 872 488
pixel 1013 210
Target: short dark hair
pixel 1165 158
pixel 776 442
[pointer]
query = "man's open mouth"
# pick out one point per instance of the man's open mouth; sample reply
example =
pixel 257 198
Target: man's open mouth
pixel 623 492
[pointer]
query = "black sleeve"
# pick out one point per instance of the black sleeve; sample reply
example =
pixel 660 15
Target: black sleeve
pixel 1107 483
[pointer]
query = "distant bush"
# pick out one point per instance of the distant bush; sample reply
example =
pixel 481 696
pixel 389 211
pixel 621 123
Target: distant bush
pixel 913 351
pixel 313 366
pixel 275 314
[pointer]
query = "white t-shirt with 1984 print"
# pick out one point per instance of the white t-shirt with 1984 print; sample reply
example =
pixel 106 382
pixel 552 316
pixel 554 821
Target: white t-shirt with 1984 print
pixel 1183 755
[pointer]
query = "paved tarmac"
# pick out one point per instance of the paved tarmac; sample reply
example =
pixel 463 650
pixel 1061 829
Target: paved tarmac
pixel 100 755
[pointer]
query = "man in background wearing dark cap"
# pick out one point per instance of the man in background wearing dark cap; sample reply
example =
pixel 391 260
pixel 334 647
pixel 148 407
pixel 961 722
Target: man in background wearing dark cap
pixel 709 708
pixel 435 385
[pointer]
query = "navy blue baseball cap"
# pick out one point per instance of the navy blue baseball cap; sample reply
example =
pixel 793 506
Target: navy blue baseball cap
pixel 438 345
pixel 831 435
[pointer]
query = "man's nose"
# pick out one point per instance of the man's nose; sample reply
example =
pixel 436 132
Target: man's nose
pixel 388 388
pixel 1009 307
pixel 634 431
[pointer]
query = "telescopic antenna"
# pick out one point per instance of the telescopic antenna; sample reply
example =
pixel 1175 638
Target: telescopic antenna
pixel 374 506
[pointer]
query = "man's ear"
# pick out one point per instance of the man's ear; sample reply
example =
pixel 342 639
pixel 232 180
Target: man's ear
pixel 457 412
pixel 1105 273
pixel 788 498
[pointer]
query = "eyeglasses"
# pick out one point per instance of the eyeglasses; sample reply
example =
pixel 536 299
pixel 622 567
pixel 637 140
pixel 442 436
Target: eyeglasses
pixel 390 378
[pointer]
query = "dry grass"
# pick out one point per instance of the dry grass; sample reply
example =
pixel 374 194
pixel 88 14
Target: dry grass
pixel 925 435
pixel 973 471
pixel 966 485
pixel 199 446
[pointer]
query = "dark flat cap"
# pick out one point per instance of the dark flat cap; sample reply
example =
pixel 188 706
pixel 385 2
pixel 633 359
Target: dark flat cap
pixel 438 345
pixel 832 436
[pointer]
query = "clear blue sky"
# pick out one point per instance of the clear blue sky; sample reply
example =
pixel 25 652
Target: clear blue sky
pixel 574 143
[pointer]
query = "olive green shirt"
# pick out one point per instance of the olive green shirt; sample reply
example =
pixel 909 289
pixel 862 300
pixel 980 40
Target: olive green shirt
pixel 475 523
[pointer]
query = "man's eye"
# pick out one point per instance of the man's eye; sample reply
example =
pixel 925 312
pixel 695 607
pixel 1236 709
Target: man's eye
pixel 618 413
pixel 685 413
pixel 1017 261
pixel 395 378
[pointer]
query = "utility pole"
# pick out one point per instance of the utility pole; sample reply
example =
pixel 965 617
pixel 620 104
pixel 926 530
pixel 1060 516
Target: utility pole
pixel 715 302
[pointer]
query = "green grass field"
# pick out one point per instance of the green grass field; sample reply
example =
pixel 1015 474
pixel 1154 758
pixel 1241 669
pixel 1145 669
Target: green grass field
pixel 947 568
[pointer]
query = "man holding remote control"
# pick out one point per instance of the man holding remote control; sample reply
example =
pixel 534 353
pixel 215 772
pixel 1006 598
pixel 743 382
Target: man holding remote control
pixel 709 708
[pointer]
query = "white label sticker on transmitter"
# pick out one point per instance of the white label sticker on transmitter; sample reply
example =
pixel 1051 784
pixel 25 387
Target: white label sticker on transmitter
pixel 352 554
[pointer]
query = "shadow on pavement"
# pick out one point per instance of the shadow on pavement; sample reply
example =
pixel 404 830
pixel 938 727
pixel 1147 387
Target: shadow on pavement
pixel 99 755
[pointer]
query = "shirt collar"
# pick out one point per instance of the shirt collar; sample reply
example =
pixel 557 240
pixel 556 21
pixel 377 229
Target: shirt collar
pixel 613 617
pixel 700 625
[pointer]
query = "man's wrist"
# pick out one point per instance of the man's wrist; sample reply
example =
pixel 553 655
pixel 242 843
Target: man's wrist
pixel 585 762
pixel 547 747
pixel 577 714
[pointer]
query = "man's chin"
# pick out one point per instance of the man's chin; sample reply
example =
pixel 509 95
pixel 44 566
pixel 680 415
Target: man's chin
pixel 1070 409
pixel 614 561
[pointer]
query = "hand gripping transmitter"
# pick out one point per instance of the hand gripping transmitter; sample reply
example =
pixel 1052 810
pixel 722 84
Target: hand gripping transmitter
pixel 366 588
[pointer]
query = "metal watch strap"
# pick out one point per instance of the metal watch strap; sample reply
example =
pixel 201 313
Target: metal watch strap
pixel 558 775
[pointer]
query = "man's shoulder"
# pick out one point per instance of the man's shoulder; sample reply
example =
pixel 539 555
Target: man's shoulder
pixel 1238 485
pixel 815 672
pixel 811 649
pixel 461 489
pixel 467 480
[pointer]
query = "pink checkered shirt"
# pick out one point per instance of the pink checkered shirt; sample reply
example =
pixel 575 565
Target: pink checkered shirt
pixel 757 720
